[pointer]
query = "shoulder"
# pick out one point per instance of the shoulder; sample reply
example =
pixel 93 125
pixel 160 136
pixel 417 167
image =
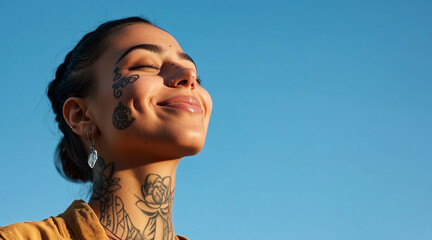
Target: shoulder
pixel 50 228
pixel 77 222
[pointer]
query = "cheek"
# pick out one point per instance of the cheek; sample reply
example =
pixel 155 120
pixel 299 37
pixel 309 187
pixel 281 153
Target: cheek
pixel 143 94
pixel 208 104
pixel 103 102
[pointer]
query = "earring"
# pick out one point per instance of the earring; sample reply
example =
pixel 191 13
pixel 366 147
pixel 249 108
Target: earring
pixel 93 156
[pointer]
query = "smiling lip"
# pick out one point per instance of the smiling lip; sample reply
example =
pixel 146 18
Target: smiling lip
pixel 184 102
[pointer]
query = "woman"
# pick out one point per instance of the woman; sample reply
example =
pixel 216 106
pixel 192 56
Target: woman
pixel 130 106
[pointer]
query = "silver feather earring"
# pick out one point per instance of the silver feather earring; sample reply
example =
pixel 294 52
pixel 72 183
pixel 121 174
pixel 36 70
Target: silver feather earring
pixel 93 156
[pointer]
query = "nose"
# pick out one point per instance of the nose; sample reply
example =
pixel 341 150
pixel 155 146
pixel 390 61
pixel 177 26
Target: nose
pixel 182 77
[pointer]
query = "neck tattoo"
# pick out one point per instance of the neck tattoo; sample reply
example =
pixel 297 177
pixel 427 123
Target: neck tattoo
pixel 155 204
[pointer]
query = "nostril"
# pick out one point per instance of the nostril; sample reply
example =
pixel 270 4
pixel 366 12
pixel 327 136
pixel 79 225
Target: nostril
pixel 182 82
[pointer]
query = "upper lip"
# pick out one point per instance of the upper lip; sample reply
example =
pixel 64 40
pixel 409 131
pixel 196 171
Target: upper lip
pixel 186 99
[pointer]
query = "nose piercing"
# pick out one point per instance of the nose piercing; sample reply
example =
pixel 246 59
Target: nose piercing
pixel 193 75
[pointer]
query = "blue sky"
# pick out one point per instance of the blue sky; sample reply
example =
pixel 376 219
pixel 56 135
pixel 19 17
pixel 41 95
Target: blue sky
pixel 321 125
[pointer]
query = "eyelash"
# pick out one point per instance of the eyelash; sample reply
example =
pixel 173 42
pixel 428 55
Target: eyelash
pixel 138 66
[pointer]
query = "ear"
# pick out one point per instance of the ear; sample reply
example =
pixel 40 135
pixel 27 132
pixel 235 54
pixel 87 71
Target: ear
pixel 75 114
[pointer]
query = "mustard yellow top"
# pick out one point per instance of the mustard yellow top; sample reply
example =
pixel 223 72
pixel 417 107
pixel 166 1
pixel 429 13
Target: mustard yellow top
pixel 78 222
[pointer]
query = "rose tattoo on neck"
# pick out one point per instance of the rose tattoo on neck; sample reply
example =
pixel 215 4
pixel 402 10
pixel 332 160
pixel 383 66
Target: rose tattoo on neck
pixel 157 204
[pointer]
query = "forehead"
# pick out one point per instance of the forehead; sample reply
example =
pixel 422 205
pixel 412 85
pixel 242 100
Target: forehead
pixel 141 34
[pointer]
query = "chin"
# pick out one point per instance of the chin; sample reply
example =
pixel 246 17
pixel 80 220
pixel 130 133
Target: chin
pixel 166 145
pixel 188 147
pixel 190 151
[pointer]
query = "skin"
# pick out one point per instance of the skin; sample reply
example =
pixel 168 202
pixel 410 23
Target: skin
pixel 139 155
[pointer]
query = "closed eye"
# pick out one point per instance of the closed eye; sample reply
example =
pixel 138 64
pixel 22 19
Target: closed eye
pixel 139 66
pixel 198 79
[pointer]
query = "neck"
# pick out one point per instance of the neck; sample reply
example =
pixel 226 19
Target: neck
pixel 135 203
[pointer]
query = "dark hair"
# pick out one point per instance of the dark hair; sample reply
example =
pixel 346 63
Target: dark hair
pixel 74 79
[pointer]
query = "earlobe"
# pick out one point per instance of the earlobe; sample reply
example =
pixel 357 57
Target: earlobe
pixel 74 112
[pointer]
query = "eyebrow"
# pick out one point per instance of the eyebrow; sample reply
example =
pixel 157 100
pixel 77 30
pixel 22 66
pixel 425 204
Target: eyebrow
pixel 184 56
pixel 149 47
pixel 155 49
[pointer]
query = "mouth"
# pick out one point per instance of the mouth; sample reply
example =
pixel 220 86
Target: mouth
pixel 183 102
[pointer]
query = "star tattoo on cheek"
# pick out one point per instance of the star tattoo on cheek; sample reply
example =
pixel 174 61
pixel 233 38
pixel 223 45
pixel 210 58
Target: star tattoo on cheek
pixel 122 117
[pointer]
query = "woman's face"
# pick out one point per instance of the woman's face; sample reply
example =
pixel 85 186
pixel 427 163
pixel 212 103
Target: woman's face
pixel 148 103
